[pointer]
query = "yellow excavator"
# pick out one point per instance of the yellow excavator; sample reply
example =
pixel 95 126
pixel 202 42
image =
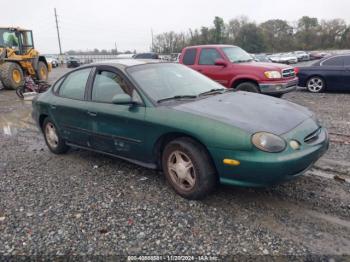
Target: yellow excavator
pixel 18 58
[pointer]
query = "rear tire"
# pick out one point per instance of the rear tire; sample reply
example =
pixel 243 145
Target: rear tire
pixel 248 87
pixel 53 140
pixel 11 75
pixel 188 168
pixel 42 71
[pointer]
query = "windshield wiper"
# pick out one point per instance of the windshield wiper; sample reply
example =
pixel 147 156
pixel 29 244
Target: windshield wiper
pixel 212 92
pixel 177 97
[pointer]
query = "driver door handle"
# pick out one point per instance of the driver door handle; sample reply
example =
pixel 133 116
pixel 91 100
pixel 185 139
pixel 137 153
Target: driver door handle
pixel 92 113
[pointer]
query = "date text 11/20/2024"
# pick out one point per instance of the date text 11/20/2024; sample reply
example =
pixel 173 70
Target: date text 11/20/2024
pixel 172 258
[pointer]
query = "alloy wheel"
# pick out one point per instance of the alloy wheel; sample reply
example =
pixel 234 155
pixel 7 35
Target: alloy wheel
pixel 315 85
pixel 51 135
pixel 181 170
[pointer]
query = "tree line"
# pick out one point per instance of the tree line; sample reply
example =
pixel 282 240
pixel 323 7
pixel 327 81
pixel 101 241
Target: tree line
pixel 97 51
pixel 275 35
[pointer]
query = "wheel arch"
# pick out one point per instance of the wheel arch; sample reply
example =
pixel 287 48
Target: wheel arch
pixel 165 139
pixel 42 118
pixel 239 81
pixel 43 59
pixel 317 75
pixel 14 62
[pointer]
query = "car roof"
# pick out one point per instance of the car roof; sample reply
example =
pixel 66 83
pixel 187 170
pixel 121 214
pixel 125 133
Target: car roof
pixel 212 46
pixel 331 56
pixel 153 53
pixel 123 63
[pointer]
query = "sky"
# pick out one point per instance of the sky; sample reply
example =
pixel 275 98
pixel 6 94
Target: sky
pixel 86 24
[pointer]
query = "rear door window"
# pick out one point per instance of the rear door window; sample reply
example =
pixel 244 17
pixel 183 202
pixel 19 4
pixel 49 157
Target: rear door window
pixel 190 56
pixel 334 61
pixel 209 56
pixel 74 84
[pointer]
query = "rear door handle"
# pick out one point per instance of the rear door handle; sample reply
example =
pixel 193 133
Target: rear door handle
pixel 92 113
pixel 53 106
pixel 199 70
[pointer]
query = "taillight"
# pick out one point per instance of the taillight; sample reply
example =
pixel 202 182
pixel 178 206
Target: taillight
pixel 296 70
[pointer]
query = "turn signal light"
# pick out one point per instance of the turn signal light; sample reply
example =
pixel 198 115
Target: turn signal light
pixel 231 162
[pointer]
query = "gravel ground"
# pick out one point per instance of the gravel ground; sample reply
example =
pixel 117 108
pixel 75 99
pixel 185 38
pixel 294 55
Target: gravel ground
pixel 86 203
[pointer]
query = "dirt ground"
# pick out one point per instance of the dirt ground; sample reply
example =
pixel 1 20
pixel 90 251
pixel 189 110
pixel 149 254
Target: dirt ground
pixel 86 203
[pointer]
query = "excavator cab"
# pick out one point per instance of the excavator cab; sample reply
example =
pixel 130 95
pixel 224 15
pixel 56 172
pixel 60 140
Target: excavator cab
pixel 20 41
pixel 18 58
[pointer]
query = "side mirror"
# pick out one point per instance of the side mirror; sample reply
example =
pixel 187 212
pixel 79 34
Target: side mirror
pixel 122 99
pixel 220 62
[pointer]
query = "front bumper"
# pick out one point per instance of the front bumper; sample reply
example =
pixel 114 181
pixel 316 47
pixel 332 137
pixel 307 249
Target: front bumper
pixel 261 169
pixel 279 87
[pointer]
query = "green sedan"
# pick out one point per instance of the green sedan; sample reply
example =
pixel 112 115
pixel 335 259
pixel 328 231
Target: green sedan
pixel 168 117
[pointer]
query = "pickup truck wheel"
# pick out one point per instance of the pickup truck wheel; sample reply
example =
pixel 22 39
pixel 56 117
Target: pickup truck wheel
pixel 188 168
pixel 249 87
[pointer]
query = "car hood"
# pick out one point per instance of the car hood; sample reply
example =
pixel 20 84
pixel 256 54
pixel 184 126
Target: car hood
pixel 250 112
pixel 265 66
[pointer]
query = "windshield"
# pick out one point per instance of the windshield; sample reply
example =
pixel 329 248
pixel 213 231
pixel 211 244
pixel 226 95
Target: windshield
pixel 262 58
pixel 236 54
pixel 164 80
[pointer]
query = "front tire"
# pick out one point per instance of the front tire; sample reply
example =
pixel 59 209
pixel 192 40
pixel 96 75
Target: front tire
pixel 53 140
pixel 11 75
pixel 248 87
pixel 188 168
pixel 316 84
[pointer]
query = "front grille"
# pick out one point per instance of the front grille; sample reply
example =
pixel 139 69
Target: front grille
pixel 289 72
pixel 309 139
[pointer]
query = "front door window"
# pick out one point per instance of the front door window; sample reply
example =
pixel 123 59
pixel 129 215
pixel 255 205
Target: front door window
pixel 209 56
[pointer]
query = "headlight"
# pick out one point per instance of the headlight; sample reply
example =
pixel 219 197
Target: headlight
pixel 268 142
pixel 273 74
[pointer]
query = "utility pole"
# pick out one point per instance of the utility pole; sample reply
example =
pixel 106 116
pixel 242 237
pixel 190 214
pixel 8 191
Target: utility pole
pixel 115 48
pixel 58 33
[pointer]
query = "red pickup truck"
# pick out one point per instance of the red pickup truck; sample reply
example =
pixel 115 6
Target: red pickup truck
pixel 234 68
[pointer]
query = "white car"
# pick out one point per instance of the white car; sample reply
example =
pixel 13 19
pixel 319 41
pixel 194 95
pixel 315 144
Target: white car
pixel 52 61
pixel 284 58
pixel 302 55
pixel 125 56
